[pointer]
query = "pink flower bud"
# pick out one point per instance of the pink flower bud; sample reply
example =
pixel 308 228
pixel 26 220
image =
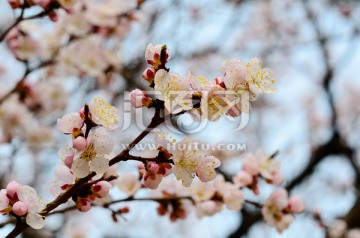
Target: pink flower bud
pixel 12 188
pixel 124 210
pixel 79 143
pixel 280 198
pixel 20 208
pixel 149 74
pixel 101 189
pixel 83 204
pixel 69 161
pixel 277 178
pixel 153 167
pixel 139 99
pixel 243 179
pixel 296 205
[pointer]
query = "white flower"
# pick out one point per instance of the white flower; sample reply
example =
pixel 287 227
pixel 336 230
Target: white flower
pixel 202 191
pixel 189 161
pixel 206 168
pixel 50 95
pixel 27 48
pixel 235 74
pixel 273 210
pixel 208 208
pixel 186 162
pixel 29 196
pixel 233 198
pixel 242 179
pixel 260 80
pixel 70 123
pixel 104 114
pixel 129 183
pixel 153 53
pixel 63 179
pixel 213 103
pixel 173 90
pixel 93 158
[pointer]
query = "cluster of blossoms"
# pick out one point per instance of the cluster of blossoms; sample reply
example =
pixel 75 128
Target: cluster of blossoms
pixel 188 162
pixel 229 94
pixel 88 157
pixel 89 151
pixel 258 166
pixel 82 27
pixel 23 202
pixel 278 209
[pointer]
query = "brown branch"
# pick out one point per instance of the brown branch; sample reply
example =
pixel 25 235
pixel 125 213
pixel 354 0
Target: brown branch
pixel 22 18
pixel 27 72
pixel 64 197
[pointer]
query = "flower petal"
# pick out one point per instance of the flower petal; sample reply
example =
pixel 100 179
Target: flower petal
pixel 99 165
pixel 80 168
pixel 35 221
pixel 102 142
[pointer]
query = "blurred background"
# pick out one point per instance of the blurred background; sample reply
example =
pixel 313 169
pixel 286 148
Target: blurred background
pixel 313 120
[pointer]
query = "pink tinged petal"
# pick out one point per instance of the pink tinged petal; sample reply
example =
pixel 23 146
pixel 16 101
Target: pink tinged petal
pixel 284 223
pixel 64 176
pixel 153 167
pixel 4 201
pixel 66 151
pixel 280 198
pixel 83 205
pixel 35 221
pixel 234 199
pixel 243 179
pixel 277 178
pixel 101 189
pixel 12 188
pixel 149 74
pixel 69 161
pixel 185 177
pixel 20 208
pixel 80 168
pixel 129 184
pixel 153 182
pixel 104 114
pixel 102 142
pixel 79 143
pixel 251 164
pixel 99 165
pixel 27 194
pixel 139 99
pixel 55 190
pixel 296 204
pixel 69 122
pixel 206 168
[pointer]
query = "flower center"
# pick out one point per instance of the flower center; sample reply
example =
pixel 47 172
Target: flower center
pixel 89 154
